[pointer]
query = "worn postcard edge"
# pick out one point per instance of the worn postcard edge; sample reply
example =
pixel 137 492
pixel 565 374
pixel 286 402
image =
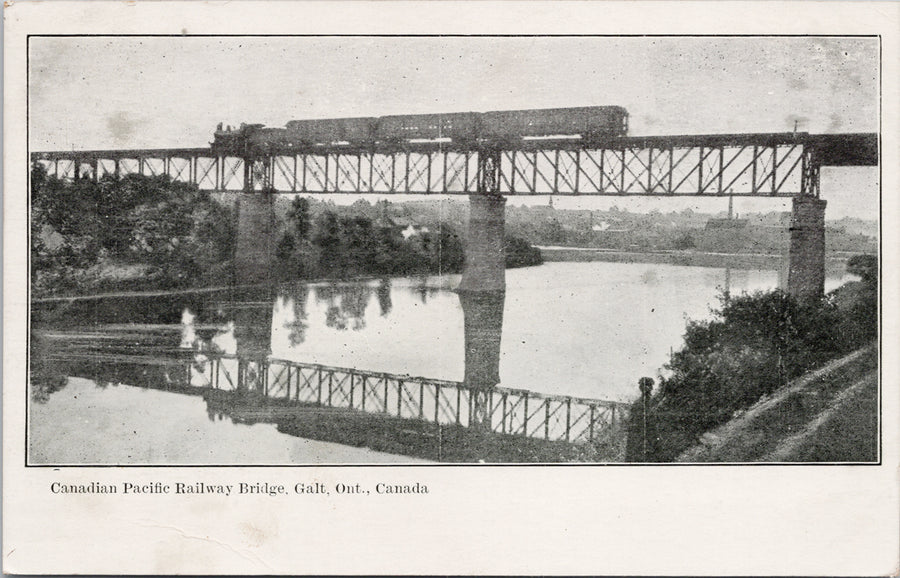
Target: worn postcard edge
pixel 477 519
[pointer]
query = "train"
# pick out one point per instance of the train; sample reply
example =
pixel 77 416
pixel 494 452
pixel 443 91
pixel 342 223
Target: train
pixel 461 128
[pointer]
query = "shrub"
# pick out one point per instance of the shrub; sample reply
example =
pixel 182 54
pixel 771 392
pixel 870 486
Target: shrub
pixel 119 221
pixel 520 253
pixel 753 345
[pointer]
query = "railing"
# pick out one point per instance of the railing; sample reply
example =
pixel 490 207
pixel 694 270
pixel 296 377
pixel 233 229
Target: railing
pixel 504 411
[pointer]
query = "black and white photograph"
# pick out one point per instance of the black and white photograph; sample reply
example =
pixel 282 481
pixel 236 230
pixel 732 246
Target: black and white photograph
pixel 398 287
pixel 452 249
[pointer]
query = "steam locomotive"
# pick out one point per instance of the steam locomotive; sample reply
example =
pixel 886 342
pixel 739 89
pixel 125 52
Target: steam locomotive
pixel 464 128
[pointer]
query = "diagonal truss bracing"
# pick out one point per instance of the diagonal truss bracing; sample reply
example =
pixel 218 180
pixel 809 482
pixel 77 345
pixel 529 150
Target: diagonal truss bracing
pixel 776 165
pixel 501 410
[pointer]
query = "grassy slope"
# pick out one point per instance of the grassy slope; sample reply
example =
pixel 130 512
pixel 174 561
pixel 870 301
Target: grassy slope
pixel 828 415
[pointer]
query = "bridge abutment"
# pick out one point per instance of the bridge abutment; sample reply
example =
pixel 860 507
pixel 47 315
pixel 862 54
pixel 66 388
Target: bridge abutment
pixel 254 254
pixel 806 257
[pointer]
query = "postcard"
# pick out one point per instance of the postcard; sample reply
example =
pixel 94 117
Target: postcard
pixel 450 288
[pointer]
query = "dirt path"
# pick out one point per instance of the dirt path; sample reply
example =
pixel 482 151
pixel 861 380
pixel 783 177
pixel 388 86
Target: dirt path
pixel 825 415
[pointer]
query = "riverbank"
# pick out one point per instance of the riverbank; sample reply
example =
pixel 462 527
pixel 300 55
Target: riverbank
pixel 111 279
pixel 757 347
pixel 827 415
pixel 835 262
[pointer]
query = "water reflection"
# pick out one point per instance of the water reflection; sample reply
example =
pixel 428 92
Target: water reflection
pixel 46 376
pixel 346 304
pixel 175 343
pixel 294 304
pixel 562 325
pixel 384 297
pixel 252 325
pixel 565 332
pixel 424 289
pixel 483 320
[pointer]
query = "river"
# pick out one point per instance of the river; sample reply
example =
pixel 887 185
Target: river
pixel 587 329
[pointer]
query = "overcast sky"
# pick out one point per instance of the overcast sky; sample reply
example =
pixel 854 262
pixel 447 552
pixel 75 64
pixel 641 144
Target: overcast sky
pixel 106 92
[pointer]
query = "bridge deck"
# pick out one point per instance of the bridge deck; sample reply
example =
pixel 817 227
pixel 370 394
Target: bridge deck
pixel 762 165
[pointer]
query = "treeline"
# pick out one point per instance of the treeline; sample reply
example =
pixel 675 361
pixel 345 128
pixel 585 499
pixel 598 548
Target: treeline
pixel 151 231
pixel 519 253
pixel 653 234
pixel 330 244
pixel 139 232
pixel 623 230
pixel 754 345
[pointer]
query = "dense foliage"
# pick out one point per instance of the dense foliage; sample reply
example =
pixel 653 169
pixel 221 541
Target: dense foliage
pixel 519 253
pixel 330 243
pixel 753 345
pixel 177 232
pixel 346 245
pixel 139 231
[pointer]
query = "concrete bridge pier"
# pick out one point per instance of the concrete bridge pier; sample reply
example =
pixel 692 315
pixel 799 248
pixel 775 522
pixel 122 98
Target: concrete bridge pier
pixel 254 254
pixel 253 337
pixel 485 266
pixel 806 257
pixel 482 293
pixel 483 322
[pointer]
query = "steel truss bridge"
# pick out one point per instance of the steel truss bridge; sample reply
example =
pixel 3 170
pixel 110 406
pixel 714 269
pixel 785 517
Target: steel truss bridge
pixel 759 165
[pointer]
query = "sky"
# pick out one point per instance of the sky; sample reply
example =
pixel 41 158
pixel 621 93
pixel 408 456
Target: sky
pixel 157 92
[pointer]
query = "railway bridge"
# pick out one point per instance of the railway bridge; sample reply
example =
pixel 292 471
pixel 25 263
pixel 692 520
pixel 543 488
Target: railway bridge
pixel 774 165
pixel 777 165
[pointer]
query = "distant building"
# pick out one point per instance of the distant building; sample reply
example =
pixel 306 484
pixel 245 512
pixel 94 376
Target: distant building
pixel 412 230
pixel 611 227
pixel 405 226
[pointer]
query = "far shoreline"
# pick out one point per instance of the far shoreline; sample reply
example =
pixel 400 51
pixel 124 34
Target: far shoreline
pixel 834 262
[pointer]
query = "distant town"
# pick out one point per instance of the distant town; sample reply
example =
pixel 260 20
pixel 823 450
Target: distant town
pixel 619 229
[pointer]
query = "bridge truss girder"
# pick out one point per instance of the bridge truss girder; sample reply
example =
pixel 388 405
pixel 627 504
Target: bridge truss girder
pixel 658 166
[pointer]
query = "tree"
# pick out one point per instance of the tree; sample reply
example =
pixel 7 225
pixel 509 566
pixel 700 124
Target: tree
pixel 451 254
pixel 552 232
pixel 865 266
pixel 300 219
pixel 130 220
pixel 860 300
pixel 357 244
pixel 519 253
pixel 684 241
pixel 754 345
pixel 327 237
pixel 285 247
